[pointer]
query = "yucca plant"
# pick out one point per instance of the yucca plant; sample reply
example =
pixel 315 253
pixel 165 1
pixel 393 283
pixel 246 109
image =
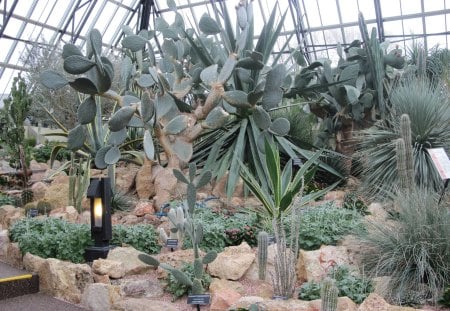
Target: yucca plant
pixel 427 106
pixel 414 250
pixel 282 185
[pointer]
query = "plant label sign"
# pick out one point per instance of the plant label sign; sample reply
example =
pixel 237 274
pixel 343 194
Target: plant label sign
pixel 172 243
pixel 441 162
pixel 33 212
pixel 199 299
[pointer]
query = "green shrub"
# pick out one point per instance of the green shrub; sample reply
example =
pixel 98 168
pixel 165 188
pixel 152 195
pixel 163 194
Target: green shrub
pixel 221 230
pixel 445 299
pixel 42 153
pixel 56 238
pixel 142 237
pixel 7 200
pixel 354 287
pixel 414 250
pixel 50 237
pixel 178 289
pixel 326 225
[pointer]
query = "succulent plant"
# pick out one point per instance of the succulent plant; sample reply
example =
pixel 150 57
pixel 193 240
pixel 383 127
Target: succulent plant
pixel 329 295
pixel 263 243
pixel 193 228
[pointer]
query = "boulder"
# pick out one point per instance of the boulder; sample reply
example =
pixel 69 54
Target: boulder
pixel 253 273
pixel 9 215
pixel 219 189
pixel 98 278
pixel 39 189
pixel 375 302
pixel 111 268
pixel 285 305
pixel 178 257
pixel 64 279
pixel 125 177
pixel 377 213
pixel 32 263
pixel 165 187
pixel 144 181
pixel 314 265
pixel 381 285
pixel 100 297
pixel 233 262
pixel 57 193
pixel 4 241
pixel 222 300
pixel 143 304
pixel 218 285
pixel 336 195
pixel 141 288
pixel 128 256
pixel 14 255
pixel 143 207
pixel 130 220
pixel 38 169
pixel 68 213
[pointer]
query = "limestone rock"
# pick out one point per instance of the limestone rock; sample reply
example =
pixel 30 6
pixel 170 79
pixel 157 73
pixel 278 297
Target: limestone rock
pixel 39 188
pixel 219 189
pixel 143 207
pixel 377 213
pixel 233 262
pixel 63 279
pixel 314 265
pixel 9 215
pixel 98 278
pixel 4 241
pixel 286 305
pixel 111 268
pixel 381 285
pixel 38 169
pixel 125 177
pixel 143 304
pixel 128 256
pixel 178 257
pixel 130 220
pixel 14 255
pixel 99 297
pixel 68 213
pixel 58 192
pixel 141 288
pixel 218 285
pixel 334 195
pixel 165 187
pixel 246 301
pixel 375 302
pixel 144 181
pixel 32 263
pixel 222 300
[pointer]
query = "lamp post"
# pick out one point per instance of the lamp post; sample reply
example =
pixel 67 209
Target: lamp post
pixel 99 193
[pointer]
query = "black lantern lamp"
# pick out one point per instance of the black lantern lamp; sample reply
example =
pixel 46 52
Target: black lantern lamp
pixel 99 193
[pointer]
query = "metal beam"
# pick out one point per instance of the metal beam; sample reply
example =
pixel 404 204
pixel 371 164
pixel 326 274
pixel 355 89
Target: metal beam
pixel 379 17
pixel 7 15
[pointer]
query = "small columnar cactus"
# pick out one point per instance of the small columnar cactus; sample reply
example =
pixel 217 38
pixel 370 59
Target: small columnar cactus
pixel 329 294
pixel 405 133
pixel 263 242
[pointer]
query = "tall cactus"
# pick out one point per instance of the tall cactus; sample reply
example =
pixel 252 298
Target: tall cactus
pixel 193 228
pixel 404 154
pixel 329 295
pixel 263 242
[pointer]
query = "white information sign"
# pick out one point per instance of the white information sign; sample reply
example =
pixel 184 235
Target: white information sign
pixel 441 162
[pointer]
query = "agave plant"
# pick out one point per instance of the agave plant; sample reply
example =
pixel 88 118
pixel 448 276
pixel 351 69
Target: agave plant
pixel 428 108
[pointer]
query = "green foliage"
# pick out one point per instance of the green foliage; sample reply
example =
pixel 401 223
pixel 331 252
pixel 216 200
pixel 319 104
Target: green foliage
pixel 7 200
pixel 352 286
pixel 141 237
pixel 427 106
pixel 178 289
pixel 56 238
pixel 445 299
pixel 220 231
pixel 50 237
pixel 325 225
pixel 121 201
pixel 43 153
pixel 414 250
pixel 12 117
pixel 282 185
pixel 353 201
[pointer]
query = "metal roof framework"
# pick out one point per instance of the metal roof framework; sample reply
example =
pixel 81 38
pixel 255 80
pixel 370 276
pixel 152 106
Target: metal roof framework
pixel 314 26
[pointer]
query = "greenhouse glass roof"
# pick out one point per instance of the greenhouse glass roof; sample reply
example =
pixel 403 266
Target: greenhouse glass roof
pixel 315 26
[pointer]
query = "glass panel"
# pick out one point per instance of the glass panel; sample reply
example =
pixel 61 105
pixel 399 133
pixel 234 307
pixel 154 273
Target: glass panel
pixel 6 82
pixel 390 8
pixel 434 5
pixel 42 10
pixel 413 26
pixel 13 27
pixel 393 28
pixel 312 13
pixel 58 13
pixel 436 41
pixel 411 6
pixel 333 36
pixel 352 33
pixel 6 45
pixel 349 10
pixel 368 9
pixel 329 12
pixel 435 24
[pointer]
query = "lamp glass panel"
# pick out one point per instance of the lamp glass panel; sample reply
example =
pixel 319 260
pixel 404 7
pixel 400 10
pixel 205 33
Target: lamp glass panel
pixel 98 212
